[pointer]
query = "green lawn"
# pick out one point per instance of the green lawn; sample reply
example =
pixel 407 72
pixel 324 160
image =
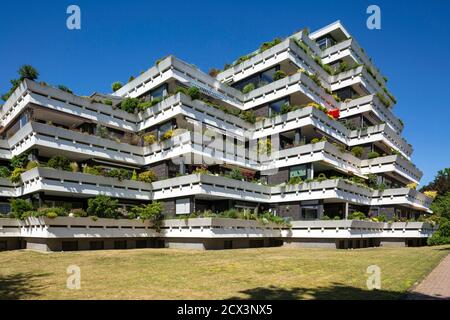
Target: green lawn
pixel 267 273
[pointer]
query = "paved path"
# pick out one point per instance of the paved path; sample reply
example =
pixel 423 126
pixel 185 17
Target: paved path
pixel 436 285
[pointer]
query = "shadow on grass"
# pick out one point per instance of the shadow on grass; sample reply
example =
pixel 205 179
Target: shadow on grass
pixel 19 285
pixel 335 292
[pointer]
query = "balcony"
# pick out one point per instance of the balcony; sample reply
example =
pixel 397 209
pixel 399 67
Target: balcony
pixel 393 163
pixel 349 48
pixel 371 103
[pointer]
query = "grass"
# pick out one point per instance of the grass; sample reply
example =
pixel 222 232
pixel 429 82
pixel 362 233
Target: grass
pixel 266 273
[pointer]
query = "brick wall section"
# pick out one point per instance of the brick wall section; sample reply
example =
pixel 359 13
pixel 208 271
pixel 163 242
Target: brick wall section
pixel 161 170
pixel 281 176
pixel 168 207
pixel 292 210
pixel 262 111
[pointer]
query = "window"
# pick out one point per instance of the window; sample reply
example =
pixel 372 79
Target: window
pixel 183 206
pixel 275 107
pixel 159 92
pixel 258 79
pixel 325 42
pixel 5 208
pixel 267 76
pixel 298 171
pixel 23 120
pixel 164 128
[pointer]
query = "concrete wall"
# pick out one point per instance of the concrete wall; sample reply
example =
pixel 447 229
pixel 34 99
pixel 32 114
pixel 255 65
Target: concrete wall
pixel 291 210
pixel 281 176
pixel 262 111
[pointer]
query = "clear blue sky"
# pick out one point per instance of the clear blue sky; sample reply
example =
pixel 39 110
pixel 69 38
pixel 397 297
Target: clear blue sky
pixel 121 38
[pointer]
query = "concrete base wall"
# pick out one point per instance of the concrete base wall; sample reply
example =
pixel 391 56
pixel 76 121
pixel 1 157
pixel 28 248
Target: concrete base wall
pixel 10 244
pixel 56 245
pixel 393 242
pixel 311 243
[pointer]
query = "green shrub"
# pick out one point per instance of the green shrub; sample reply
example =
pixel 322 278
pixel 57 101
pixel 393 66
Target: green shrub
pixel 295 180
pixel 337 218
pixel 152 212
pixel 116 86
pixel 129 104
pixel 373 155
pixel 108 102
pixel 315 140
pixel 383 100
pixel 315 78
pixel 19 207
pixel 95 170
pixel 343 67
pixel 321 177
pixel 357 215
pixel 31 164
pixel 15 175
pixel 147 176
pixel 326 217
pixel 267 45
pixel 51 215
pixel 279 74
pixel 248 88
pixel 51 212
pixel 182 90
pixel 19 161
pixel 441 235
pixel 243 58
pixel 357 151
pixel 4 172
pixel 149 139
pixel 74 167
pixel 103 207
pixel 101 131
pixel 121 174
pixel 249 116
pixel 194 93
pixel 167 135
pixel 59 162
pixel 236 174
pixel 64 88
pixel 201 170
pixel 318 106
pixel 79 212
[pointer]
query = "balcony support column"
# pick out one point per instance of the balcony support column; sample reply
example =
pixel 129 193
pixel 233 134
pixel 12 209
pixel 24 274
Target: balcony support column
pixel 298 133
pixel 346 210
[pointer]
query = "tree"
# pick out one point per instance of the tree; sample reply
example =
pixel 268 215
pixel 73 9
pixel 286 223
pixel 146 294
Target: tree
pixel 441 206
pixel 25 72
pixel 441 183
pixel 19 161
pixel 116 86
pixel 151 211
pixel 59 162
pixel 28 72
pixel 19 207
pixel 103 207
pixel 129 104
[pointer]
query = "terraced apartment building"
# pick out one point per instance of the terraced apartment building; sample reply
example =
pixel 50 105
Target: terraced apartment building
pixel 302 127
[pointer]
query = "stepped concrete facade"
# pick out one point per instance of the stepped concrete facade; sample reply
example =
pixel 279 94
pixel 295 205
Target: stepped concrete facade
pixel 303 128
